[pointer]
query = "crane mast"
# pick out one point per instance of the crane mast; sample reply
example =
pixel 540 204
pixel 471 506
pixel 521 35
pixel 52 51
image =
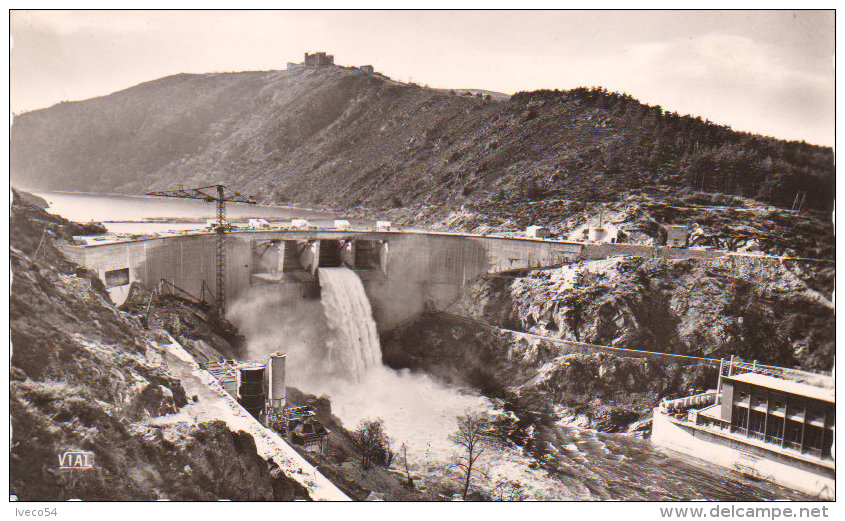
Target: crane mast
pixel 219 194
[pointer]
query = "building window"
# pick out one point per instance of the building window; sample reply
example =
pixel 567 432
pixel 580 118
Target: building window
pixel 756 424
pixel 738 418
pixel 813 440
pixel 117 277
pixel 759 402
pixel 774 429
pixel 792 435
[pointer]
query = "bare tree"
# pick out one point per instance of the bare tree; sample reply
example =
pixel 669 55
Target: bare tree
pixel 404 450
pixel 372 443
pixel 472 437
pixel 387 451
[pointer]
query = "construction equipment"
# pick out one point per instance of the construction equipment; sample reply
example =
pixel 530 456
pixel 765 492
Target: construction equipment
pixel 219 194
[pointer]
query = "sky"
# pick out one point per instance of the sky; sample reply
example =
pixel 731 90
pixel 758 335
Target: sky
pixel 768 72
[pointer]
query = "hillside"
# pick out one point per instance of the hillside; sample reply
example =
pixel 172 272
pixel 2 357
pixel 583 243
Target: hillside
pixel 709 308
pixel 86 376
pixel 344 138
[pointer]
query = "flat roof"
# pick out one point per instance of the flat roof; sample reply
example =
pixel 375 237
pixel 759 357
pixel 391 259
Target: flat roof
pixel 712 411
pixel 787 386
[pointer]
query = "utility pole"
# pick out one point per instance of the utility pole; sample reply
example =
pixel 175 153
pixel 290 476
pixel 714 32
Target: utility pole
pixel 219 194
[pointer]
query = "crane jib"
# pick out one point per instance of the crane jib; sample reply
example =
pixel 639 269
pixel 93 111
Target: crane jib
pixel 224 194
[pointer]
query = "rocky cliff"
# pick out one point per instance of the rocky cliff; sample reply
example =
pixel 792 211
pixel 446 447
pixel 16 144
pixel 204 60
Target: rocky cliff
pixel 775 312
pixel 539 379
pixel 88 377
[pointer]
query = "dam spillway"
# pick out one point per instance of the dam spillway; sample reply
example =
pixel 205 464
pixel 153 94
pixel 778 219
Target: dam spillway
pixel 353 344
pixel 424 270
pixel 403 273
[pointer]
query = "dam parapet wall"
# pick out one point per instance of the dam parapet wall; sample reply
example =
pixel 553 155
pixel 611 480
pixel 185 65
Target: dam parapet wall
pixel 404 273
pixel 604 250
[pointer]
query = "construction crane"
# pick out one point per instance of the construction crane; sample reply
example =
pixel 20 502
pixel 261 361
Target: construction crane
pixel 221 195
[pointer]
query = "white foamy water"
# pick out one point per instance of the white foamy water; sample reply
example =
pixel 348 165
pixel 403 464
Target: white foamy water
pixel 353 344
pixel 417 410
pixel 333 350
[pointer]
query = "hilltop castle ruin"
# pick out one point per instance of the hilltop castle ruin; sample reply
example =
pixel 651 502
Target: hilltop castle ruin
pixel 322 59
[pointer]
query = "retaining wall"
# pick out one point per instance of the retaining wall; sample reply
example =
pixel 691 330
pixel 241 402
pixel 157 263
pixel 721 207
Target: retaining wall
pixel 757 462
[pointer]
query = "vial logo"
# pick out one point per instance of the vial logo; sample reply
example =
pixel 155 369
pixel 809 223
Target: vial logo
pixel 76 460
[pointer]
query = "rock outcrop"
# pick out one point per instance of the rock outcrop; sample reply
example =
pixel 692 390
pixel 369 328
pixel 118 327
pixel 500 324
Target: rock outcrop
pixel 540 378
pixel 86 376
pixel 776 312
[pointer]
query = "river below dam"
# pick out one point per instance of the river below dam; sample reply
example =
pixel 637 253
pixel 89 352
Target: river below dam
pixel 556 462
pixel 601 466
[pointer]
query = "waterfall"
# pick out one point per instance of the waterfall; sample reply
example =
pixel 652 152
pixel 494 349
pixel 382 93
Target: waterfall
pixel 353 345
pixel 333 350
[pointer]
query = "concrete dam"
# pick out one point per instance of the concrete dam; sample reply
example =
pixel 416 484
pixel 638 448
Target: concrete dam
pixel 424 270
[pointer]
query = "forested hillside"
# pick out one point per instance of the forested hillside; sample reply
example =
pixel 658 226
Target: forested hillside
pixel 340 137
